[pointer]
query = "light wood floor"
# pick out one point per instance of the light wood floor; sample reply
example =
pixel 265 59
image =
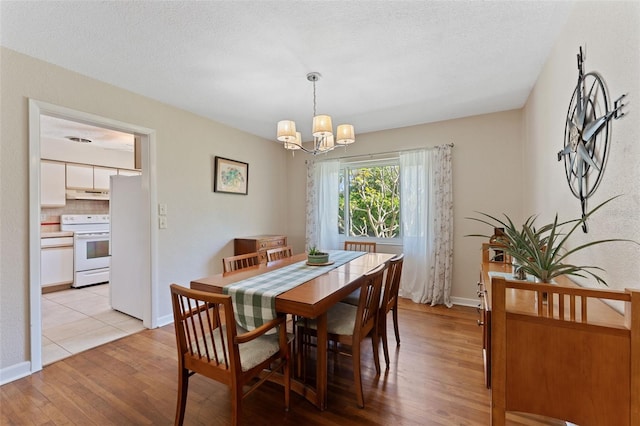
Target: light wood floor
pixel 435 378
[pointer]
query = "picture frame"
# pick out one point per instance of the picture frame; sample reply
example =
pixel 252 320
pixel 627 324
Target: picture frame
pixel 231 176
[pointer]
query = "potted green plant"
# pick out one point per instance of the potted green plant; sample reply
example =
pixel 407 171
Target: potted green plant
pixel 541 251
pixel 316 256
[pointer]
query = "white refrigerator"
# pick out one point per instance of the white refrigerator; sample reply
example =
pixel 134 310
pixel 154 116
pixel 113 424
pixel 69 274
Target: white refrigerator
pixel 130 246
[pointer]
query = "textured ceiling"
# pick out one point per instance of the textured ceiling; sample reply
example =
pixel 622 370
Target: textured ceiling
pixel 60 131
pixel 384 64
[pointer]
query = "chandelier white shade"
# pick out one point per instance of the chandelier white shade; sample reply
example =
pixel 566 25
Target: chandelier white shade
pixel 322 130
pixel 286 131
pixel 322 126
pixel 345 134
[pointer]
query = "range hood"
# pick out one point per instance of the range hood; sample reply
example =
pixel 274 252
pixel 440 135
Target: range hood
pixel 77 194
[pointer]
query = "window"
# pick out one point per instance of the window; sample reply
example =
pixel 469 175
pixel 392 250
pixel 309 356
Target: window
pixel 371 192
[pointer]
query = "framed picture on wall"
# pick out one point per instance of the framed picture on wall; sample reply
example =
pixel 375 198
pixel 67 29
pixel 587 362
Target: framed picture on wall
pixel 231 176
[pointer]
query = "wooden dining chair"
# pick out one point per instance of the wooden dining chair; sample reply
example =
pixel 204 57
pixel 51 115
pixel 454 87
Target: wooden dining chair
pixel 349 325
pixel 279 253
pixel 240 261
pixel 367 246
pixel 209 346
pixel 389 302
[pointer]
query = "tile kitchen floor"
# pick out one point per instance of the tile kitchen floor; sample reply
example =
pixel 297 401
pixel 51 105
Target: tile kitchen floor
pixel 78 319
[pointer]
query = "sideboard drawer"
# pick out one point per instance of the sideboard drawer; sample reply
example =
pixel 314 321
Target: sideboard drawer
pixel 276 242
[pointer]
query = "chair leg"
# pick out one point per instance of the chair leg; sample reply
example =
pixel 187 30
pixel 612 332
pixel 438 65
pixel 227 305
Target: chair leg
pixel 236 404
pixel 299 353
pixel 376 356
pixel 303 337
pixel 287 382
pixel 293 355
pixel 183 387
pixel 357 377
pixel 395 324
pixel 383 337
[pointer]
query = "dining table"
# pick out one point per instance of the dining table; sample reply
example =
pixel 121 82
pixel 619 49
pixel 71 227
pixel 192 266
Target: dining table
pixel 309 299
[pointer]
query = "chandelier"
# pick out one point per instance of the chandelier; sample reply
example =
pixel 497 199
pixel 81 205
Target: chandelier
pixel 322 130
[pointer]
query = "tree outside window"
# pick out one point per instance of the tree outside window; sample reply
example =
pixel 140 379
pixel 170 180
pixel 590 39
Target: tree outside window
pixel 372 194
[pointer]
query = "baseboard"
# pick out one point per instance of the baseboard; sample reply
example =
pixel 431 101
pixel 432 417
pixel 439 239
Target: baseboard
pixel 465 302
pixel 15 372
pixel 167 319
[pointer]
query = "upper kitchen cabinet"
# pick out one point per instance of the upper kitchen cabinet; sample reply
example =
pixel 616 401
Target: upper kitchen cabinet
pixel 86 177
pixel 79 176
pixel 101 180
pixel 52 184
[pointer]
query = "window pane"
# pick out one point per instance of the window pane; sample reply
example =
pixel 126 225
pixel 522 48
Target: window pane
pixel 374 201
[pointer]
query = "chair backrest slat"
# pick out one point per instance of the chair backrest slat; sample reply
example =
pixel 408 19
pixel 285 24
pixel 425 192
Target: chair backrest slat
pixel 240 261
pixel 279 253
pixel 392 283
pixel 369 301
pixel 367 246
pixel 200 328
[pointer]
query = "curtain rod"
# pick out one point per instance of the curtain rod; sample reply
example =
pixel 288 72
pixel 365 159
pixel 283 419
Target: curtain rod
pixel 381 153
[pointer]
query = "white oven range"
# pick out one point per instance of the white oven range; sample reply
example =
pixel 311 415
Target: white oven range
pixel 91 247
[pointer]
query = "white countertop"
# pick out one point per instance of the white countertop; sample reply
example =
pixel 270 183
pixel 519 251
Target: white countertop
pixel 56 234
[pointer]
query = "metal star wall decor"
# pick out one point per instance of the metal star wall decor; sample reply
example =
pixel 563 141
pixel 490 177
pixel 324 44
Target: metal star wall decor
pixel 587 134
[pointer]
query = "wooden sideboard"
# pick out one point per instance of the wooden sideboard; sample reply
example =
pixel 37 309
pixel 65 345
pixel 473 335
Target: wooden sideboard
pixel 572 358
pixel 258 243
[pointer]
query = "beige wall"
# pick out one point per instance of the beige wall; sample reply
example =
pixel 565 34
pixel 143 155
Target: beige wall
pixel 487 149
pixel 503 162
pixel 200 228
pixel 613 50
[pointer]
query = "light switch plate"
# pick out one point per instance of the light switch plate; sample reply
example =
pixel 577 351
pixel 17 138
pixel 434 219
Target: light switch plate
pixel 162 222
pixel 162 208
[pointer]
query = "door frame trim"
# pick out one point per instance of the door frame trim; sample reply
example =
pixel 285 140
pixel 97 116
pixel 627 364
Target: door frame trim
pixel 149 175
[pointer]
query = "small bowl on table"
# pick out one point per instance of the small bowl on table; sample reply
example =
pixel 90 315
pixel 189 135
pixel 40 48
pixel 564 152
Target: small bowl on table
pixel 318 259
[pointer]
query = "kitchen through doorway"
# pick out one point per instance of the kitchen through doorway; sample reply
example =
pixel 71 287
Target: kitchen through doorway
pixel 77 319
pixel 83 316
pixel 66 320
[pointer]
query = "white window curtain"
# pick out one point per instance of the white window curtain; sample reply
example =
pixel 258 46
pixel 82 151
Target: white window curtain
pixel 426 214
pixel 322 204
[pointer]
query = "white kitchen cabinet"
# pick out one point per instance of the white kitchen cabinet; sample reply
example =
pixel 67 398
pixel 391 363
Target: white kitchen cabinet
pixel 127 172
pixel 56 261
pixel 52 184
pixel 101 178
pixel 80 176
pixel 87 177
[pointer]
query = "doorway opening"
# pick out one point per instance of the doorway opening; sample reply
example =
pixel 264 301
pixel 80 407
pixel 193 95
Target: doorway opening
pixel 96 323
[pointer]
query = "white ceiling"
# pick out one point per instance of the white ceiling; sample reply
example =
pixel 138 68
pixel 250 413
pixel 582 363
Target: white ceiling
pixel 58 130
pixel 384 64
